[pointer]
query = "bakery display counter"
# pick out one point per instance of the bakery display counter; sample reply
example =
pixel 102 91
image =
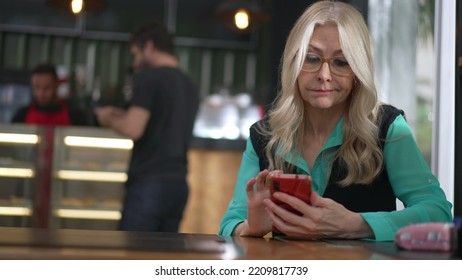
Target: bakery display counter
pixel 73 177
pixel 89 171
pixel 18 169
pixel 61 177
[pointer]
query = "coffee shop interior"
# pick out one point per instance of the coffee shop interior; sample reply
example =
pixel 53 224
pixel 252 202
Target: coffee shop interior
pixel 73 177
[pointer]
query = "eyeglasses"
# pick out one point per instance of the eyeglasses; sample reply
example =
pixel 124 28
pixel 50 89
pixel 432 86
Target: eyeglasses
pixel 337 65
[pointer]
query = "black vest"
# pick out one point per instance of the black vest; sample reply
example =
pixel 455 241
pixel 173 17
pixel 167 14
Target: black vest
pixel 377 196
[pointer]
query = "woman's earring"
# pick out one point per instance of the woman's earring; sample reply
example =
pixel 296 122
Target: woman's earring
pixel 356 83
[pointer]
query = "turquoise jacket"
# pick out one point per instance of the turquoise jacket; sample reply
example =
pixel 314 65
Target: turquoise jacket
pixel 411 179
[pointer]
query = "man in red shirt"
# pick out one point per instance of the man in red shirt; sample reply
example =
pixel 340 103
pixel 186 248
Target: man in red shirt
pixel 47 108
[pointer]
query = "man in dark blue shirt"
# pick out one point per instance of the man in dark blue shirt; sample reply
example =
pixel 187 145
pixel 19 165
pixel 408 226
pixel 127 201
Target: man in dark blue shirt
pixel 160 120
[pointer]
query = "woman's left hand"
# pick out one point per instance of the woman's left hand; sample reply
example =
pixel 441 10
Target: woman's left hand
pixel 324 218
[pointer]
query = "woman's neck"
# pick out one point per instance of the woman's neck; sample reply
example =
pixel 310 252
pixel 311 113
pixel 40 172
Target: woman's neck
pixel 320 123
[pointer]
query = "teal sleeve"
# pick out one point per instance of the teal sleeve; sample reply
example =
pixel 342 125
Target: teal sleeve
pixel 237 208
pixel 413 184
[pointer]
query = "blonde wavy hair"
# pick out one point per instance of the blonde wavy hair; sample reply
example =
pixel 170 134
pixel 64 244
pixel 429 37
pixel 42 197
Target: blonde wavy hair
pixel 360 151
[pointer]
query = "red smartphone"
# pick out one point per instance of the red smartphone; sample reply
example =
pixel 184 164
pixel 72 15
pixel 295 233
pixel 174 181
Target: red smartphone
pixel 292 184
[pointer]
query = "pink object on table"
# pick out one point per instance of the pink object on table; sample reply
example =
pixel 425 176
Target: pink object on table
pixel 430 236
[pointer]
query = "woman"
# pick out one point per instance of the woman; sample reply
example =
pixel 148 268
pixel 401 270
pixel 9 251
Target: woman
pixel 328 123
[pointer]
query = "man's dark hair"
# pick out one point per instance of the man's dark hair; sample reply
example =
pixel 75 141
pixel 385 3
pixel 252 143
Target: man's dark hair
pixel 155 32
pixel 45 68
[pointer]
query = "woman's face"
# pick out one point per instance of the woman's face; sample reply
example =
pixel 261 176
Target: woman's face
pixel 324 89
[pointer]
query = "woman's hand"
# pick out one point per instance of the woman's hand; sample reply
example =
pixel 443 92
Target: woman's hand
pixel 258 222
pixel 324 218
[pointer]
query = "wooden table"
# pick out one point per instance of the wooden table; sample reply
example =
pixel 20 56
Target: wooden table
pixel 28 243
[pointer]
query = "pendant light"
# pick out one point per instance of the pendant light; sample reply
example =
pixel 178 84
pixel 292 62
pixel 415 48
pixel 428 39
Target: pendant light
pixel 78 6
pixel 241 16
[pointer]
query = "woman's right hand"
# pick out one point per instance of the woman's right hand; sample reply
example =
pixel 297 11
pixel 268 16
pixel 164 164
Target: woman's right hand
pixel 258 222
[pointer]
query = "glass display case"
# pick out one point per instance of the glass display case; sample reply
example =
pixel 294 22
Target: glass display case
pixel 89 171
pixel 18 173
pixel 61 177
pixel 73 177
